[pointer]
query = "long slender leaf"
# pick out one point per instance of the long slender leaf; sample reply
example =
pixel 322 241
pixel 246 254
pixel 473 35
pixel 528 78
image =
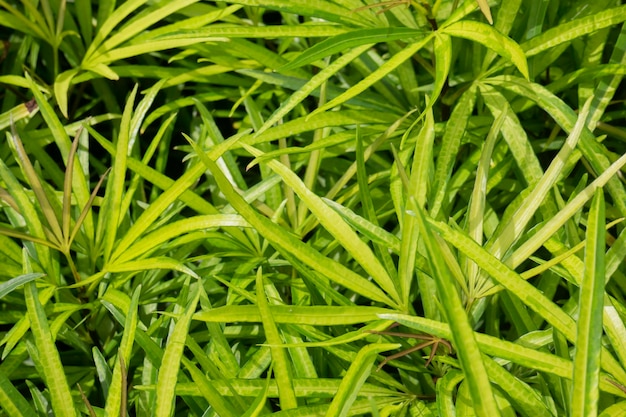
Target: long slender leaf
pixel 12 401
pixel 350 40
pixel 585 395
pixel 282 366
pixel 355 377
pixel 489 37
pixel 462 334
pixel 170 365
pixel 8 286
pixel 55 379
pixel 118 380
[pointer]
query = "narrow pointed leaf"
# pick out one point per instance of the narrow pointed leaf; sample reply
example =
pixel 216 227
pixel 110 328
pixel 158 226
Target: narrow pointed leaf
pixel 170 365
pixel 355 377
pixel 492 39
pixel 351 40
pixel 462 335
pixel 118 380
pixel 585 394
pixel 54 376
pixel 282 366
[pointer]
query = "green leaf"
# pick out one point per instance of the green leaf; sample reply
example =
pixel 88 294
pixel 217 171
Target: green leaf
pixel 443 60
pixel 527 400
pixel 446 386
pixel 514 352
pixel 375 233
pixel 61 88
pixel 53 370
pixel 492 39
pixel 355 377
pixel 585 395
pixel 41 196
pixel 161 262
pixel 282 366
pixel 304 388
pixel 418 187
pixel 379 73
pixel 574 29
pixel 8 286
pixel 320 9
pixel 462 335
pixel 313 83
pixel 352 39
pixel 207 389
pixel 111 211
pixel 475 224
pixel 170 365
pixel 256 408
pixel 142 22
pixel 604 93
pixel 117 392
pixel 513 229
pixel 177 228
pixel 106 27
pixel 20 112
pixel 235 31
pixel 103 70
pixel 615 410
pixel 13 402
pixel 305 315
pixel 448 153
pixel 591 148
pixel 17 20
pixel 160 180
pixel 484 8
pixel 550 227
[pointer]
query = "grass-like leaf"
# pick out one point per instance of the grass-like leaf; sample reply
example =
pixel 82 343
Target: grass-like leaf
pixel 8 286
pixel 573 29
pixel 311 315
pixel 384 70
pixel 585 394
pixel 13 402
pixel 489 37
pixel 54 376
pixel 170 365
pixel 282 366
pixel 355 377
pixel 462 335
pixel 351 40
pixel 314 83
pixel 117 393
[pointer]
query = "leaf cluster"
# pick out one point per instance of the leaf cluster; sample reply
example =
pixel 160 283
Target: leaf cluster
pixel 303 208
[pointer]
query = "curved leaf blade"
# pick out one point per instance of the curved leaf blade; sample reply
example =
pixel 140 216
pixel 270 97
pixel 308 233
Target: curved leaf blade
pixel 350 40
pixel 492 39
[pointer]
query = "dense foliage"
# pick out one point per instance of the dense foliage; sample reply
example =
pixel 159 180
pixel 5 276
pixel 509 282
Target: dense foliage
pixel 312 207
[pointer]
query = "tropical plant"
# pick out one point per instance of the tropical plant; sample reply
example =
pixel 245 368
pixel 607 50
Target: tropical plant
pixel 294 207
